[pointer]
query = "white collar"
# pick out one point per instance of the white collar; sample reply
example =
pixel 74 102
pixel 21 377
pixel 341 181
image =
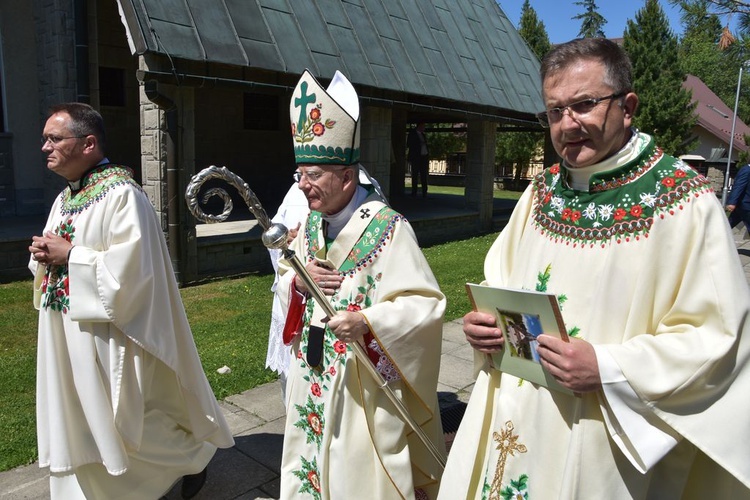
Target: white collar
pixel 578 178
pixel 336 222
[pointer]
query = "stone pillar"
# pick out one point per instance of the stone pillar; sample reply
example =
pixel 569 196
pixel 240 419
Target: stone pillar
pixel 153 156
pixel 168 142
pixel 480 170
pixel 375 144
pixel 398 149
pixel 186 166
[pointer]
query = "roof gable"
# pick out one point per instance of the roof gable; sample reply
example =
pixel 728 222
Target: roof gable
pixel 463 50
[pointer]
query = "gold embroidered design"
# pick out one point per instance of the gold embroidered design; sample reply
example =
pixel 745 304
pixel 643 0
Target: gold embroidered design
pixel 507 444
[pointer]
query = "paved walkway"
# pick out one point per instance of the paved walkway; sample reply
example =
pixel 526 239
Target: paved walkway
pixel 250 470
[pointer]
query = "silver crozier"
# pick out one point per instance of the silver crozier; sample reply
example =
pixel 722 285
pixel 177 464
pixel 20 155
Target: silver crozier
pixel 274 237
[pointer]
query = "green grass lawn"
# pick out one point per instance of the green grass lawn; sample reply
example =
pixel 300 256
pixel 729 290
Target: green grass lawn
pixel 229 318
pixel 497 193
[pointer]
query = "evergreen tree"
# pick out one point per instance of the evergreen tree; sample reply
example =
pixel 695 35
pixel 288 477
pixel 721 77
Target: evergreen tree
pixel 532 30
pixel 519 148
pixel 592 23
pixel 665 110
pixel 702 56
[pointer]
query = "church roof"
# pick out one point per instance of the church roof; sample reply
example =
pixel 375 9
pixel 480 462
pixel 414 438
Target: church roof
pixel 463 51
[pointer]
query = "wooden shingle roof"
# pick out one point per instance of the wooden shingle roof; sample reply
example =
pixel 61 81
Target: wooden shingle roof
pixel 457 50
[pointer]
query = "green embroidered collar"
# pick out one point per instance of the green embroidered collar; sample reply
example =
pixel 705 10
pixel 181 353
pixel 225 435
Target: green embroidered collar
pixel 621 204
pixel 94 185
pixel 368 247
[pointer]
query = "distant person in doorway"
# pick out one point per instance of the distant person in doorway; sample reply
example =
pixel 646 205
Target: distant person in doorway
pixel 419 157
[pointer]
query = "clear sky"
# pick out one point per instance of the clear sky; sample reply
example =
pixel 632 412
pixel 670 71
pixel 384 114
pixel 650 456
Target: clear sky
pixel 556 16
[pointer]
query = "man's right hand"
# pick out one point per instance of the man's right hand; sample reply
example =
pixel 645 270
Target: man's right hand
pixel 328 280
pixel 482 332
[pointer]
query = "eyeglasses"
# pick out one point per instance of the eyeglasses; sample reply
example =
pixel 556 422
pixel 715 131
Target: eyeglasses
pixel 311 177
pixel 578 108
pixel 54 139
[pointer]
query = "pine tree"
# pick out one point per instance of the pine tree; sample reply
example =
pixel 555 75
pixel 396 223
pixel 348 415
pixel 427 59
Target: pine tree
pixel 701 54
pixel 520 147
pixel 532 30
pixel 592 23
pixel 665 110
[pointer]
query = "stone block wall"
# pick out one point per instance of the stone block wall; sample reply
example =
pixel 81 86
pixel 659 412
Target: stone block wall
pixel 153 157
pixel 232 254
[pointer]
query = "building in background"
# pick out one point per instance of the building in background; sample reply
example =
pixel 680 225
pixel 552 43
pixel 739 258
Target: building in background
pixel 184 85
pixel 713 130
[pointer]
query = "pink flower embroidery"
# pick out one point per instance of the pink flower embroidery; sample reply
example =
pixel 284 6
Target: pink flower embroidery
pixel 312 476
pixel 314 420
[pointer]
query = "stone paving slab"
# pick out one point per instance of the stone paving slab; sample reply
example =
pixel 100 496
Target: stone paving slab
pixel 250 470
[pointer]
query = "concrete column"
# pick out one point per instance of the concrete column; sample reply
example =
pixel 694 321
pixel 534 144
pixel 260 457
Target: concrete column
pixel 375 144
pixel 168 155
pixel 153 156
pixel 186 165
pixel 398 148
pixel 480 170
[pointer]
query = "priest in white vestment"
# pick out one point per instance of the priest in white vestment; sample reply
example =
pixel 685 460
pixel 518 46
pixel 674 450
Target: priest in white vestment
pixel 124 409
pixel 637 249
pixel 344 438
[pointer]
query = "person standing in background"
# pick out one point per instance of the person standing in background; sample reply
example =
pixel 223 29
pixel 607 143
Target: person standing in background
pixel 419 158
